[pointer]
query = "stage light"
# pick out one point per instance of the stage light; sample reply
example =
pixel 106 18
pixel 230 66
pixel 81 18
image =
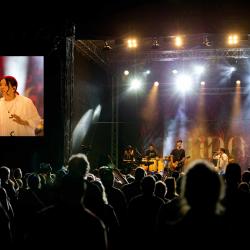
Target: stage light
pixel 81 129
pixel 226 72
pixel 106 46
pixel 175 71
pixel 97 113
pixel 155 44
pixel 203 83
pixel 199 69
pixel 148 72
pixel 184 83
pixel 232 69
pixel 132 43
pixel 150 108
pixel 126 72
pixel 206 42
pixel 178 41
pixel 233 39
pixel 156 84
pixel 135 84
pixel 236 108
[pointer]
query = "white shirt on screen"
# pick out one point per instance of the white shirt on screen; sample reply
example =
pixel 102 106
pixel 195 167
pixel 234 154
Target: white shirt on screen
pixel 23 107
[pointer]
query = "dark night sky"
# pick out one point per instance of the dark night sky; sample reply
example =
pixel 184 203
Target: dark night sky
pixel 97 19
pixel 148 18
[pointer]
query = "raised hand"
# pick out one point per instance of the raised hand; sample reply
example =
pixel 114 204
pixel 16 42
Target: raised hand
pixel 18 120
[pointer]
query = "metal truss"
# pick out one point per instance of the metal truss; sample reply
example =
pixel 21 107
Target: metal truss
pixel 210 91
pixel 191 54
pixel 115 119
pixel 92 51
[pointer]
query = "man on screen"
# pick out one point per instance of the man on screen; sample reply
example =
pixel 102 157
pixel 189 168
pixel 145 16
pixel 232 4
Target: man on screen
pixel 18 114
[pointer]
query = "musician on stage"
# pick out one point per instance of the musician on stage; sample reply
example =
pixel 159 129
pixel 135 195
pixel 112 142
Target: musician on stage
pixel 151 152
pixel 178 156
pixel 222 160
pixel 129 153
pixel 128 160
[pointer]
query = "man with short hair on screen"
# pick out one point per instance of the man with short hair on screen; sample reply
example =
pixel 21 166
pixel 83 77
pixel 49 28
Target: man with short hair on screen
pixel 18 114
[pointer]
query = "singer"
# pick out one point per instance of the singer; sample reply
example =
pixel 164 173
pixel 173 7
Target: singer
pixel 222 160
pixel 18 114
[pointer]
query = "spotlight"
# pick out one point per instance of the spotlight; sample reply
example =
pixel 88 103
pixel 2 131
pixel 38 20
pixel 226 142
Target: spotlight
pixel 156 84
pixel 178 41
pixel 132 43
pixel 203 83
pixel 155 44
pixel 199 69
pixel 184 83
pixel 174 71
pixel 238 82
pixel 126 72
pixel 233 39
pixel 232 69
pixel 106 46
pixel 135 84
pixel 148 72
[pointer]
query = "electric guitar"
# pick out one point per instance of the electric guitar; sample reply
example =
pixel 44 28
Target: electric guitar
pixel 175 165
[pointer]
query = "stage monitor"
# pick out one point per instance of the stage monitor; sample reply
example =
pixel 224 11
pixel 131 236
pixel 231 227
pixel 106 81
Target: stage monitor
pixel 21 96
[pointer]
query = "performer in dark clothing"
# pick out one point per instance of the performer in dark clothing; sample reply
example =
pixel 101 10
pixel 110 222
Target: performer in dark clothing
pixel 129 153
pixel 151 152
pixel 128 160
pixel 178 157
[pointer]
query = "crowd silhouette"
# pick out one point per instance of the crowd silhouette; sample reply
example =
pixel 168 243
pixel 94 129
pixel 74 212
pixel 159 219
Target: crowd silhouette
pixel 104 209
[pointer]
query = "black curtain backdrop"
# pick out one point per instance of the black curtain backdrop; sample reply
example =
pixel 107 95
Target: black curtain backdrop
pixel 92 88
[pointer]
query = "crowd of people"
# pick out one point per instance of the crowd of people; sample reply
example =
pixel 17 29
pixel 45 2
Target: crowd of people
pixel 104 209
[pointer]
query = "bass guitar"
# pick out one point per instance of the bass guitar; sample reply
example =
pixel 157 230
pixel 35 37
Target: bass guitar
pixel 177 164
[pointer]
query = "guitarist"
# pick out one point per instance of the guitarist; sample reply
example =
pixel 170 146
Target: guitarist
pixel 178 157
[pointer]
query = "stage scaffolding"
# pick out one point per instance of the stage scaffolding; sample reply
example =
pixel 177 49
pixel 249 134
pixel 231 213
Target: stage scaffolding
pixel 113 59
pixel 183 55
pixel 92 51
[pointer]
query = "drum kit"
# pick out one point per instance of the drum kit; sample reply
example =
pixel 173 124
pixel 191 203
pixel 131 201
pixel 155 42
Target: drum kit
pixel 159 165
pixel 154 165
pixel 164 165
